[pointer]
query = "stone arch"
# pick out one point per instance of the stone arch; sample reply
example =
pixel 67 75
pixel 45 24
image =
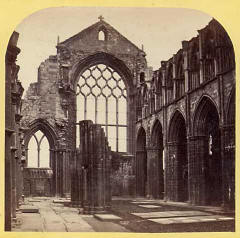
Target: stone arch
pixel 177 161
pixel 208 144
pixel 119 66
pixel 141 163
pixel 204 106
pixel 47 130
pixel 103 58
pixel 173 124
pixel 156 162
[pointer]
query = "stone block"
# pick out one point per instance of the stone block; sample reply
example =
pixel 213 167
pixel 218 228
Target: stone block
pixel 29 209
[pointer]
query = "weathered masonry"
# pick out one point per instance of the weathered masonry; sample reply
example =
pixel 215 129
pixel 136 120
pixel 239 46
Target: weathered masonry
pixel 186 123
pixel 171 131
pixel 14 148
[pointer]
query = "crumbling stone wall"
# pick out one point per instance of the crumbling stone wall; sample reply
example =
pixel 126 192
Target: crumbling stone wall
pixel 52 99
pixel 203 69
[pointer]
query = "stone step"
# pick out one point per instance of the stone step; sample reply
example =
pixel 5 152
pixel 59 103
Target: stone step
pixel 29 209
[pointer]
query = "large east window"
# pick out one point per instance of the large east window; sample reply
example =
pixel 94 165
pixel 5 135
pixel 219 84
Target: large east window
pixel 101 97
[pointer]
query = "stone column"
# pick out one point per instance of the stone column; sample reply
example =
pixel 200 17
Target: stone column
pixel 141 156
pixel 197 170
pixel 155 173
pixel 171 173
pixel 228 166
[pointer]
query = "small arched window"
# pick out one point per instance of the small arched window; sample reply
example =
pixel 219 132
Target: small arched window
pixel 101 35
pixel 38 151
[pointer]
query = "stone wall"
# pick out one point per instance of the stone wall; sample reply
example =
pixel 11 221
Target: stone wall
pixel 14 151
pixel 194 75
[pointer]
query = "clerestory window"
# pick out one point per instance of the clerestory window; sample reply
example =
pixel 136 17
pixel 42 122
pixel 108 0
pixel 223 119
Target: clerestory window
pixel 101 97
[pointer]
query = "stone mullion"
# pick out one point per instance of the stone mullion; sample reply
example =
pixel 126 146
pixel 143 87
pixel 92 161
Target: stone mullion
pixel 117 127
pixel 108 173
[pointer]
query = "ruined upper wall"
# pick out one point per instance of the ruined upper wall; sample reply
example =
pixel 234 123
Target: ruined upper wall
pixel 53 97
pixel 87 43
pixel 200 60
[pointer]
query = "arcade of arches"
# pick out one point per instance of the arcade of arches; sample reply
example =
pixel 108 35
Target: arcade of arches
pixel 170 131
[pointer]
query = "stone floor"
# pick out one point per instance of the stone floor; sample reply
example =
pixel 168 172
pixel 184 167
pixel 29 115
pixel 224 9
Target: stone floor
pixel 42 214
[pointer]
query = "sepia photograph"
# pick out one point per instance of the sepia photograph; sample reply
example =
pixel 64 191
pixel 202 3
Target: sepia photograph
pixel 119 119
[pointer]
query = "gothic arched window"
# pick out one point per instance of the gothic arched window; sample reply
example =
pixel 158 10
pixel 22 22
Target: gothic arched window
pixel 38 151
pixel 101 97
pixel 101 36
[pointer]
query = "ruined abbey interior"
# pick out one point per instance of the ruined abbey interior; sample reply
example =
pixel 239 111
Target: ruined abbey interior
pixel 100 123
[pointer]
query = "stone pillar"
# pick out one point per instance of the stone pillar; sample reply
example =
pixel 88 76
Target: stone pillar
pixel 172 173
pixel 94 176
pixel 65 180
pixel 141 157
pixel 197 175
pixel 228 166
pixel 155 181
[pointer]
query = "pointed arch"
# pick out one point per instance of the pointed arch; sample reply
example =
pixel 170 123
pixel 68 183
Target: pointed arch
pixel 156 133
pixel 141 163
pixel 208 143
pixel 118 66
pixel 156 162
pixel 45 128
pixel 206 107
pixel 103 58
pixel 141 139
pixel 177 160
pixel 177 123
pixel 48 133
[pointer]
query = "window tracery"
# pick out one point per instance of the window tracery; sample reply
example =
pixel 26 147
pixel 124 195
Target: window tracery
pixel 38 151
pixel 101 97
